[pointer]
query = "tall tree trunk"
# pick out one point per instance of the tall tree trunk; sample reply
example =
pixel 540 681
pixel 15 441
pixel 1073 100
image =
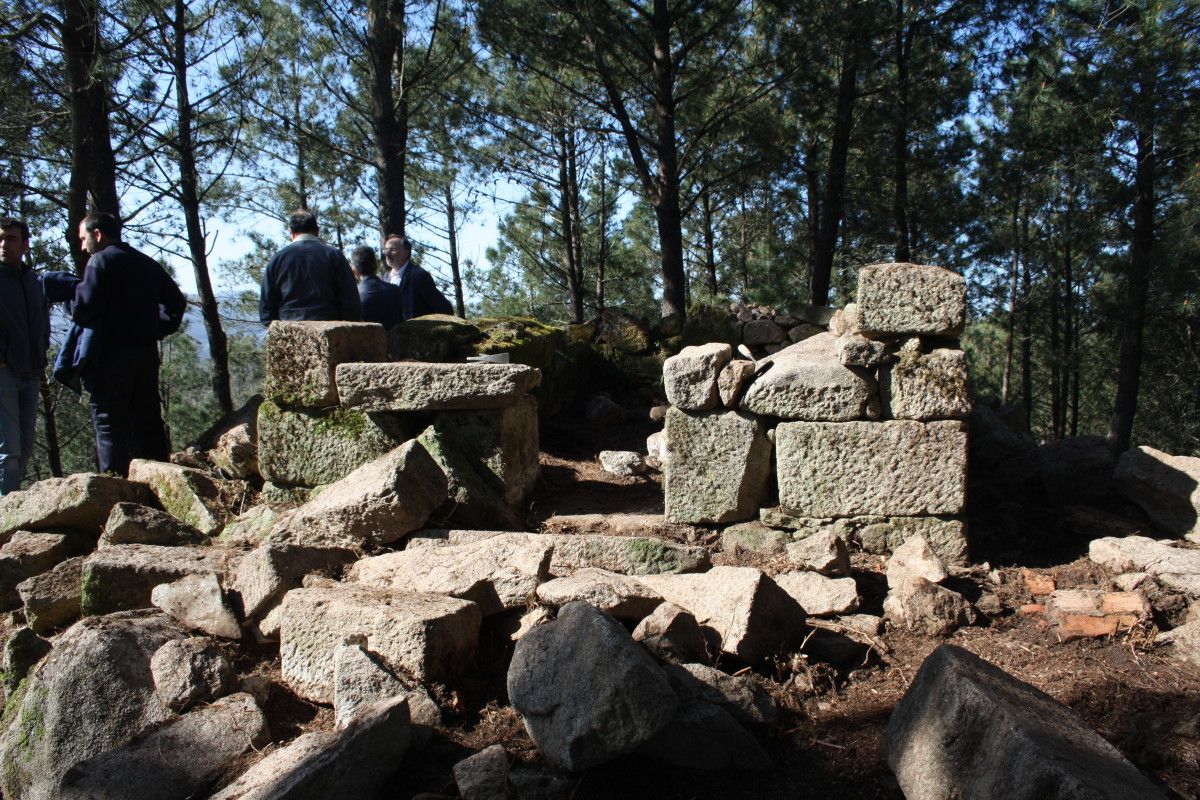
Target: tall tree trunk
pixel 301 150
pixel 566 228
pixel 452 237
pixel 1026 327
pixel 1136 292
pixel 50 421
pixel 710 255
pixel 1011 324
pixel 384 44
pixel 900 135
pixel 602 230
pixel 832 204
pixel 93 178
pixel 575 219
pixel 189 198
pixel 1056 371
pixel 667 210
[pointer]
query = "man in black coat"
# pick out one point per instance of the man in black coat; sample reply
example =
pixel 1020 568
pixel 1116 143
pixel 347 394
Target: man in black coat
pixel 380 299
pixel 419 294
pixel 308 279
pixel 131 302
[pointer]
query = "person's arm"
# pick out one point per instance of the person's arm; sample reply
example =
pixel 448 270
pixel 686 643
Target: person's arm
pixel 268 294
pixel 345 289
pixel 170 296
pixel 90 294
pixel 59 286
pixel 432 295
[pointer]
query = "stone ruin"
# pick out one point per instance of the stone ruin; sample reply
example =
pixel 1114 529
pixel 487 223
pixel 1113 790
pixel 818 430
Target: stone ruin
pixel 376 577
pixel 333 402
pixel 859 429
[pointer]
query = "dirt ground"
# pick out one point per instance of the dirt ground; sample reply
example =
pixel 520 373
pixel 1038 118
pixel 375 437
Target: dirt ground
pixel 1139 698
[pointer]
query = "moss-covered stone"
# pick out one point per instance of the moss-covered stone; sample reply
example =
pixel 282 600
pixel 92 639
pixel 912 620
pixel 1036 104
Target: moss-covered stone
pixel 625 332
pixel 434 337
pixel 526 340
pixel 301 358
pixel 709 324
pixel 310 448
pixel 188 494
pixel 475 496
pixel 501 444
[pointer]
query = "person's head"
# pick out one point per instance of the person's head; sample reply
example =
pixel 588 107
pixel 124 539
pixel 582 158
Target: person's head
pixel 362 261
pixel 303 221
pixel 14 241
pixel 397 250
pixel 98 230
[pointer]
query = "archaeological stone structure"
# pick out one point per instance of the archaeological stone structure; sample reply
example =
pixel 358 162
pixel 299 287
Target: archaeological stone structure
pixel 859 428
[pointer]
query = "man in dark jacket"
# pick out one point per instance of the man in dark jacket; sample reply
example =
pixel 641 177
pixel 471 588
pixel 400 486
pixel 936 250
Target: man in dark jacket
pixel 131 302
pixel 380 299
pixel 24 336
pixel 307 279
pixel 419 294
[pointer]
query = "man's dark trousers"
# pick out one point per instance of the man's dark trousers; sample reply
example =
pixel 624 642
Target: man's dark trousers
pixel 123 384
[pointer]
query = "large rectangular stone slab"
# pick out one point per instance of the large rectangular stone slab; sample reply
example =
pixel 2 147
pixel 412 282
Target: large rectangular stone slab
pixel 742 611
pixel 898 468
pixel 966 728
pixel 79 502
pixel 312 448
pixel 502 443
pixel 428 635
pixel 188 494
pixel 417 386
pixel 1167 487
pixel 498 573
pixel 911 299
pixel 122 577
pixel 301 358
pixel 375 504
pixel 808 381
pixel 718 466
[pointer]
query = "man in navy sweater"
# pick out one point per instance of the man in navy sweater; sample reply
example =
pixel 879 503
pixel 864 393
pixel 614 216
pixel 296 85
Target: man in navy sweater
pixel 307 279
pixel 131 302
pixel 380 299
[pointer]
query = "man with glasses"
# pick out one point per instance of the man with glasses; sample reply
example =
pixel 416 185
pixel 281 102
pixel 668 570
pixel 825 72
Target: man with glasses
pixel 419 295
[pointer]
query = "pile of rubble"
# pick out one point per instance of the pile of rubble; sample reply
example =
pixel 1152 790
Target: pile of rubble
pixel 151 631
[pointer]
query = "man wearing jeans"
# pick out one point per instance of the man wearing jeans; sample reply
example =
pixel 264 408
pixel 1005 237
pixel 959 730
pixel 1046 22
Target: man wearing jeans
pixel 24 337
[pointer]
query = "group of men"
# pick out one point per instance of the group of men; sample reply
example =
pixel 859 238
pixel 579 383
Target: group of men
pixel 125 302
pixel 310 280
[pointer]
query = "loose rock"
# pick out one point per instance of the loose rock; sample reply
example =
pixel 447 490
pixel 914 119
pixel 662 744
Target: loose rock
pixel 188 672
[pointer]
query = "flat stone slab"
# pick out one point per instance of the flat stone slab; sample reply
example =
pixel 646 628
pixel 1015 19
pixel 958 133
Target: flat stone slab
pixel 428 635
pixel 130 523
pixel 189 495
pixel 197 602
pixel 51 599
pixel 498 573
pixel 690 377
pixel 807 381
pixel 965 728
pixel 912 299
pixel 269 571
pixel 742 611
pixel 1174 567
pixel 1167 487
pixel 312 448
pixel 351 763
pixel 897 468
pixel 376 504
pixel 418 386
pixel 718 467
pixel 79 502
pixel 301 358
pixel 28 554
pixel 181 759
pixel 818 595
pixel 123 577
pixel 615 594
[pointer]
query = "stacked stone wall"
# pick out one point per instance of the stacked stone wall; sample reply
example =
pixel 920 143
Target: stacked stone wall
pixel 335 403
pixel 859 427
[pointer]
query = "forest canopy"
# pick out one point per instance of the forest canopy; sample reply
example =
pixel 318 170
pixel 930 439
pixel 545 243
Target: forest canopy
pixel 647 155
